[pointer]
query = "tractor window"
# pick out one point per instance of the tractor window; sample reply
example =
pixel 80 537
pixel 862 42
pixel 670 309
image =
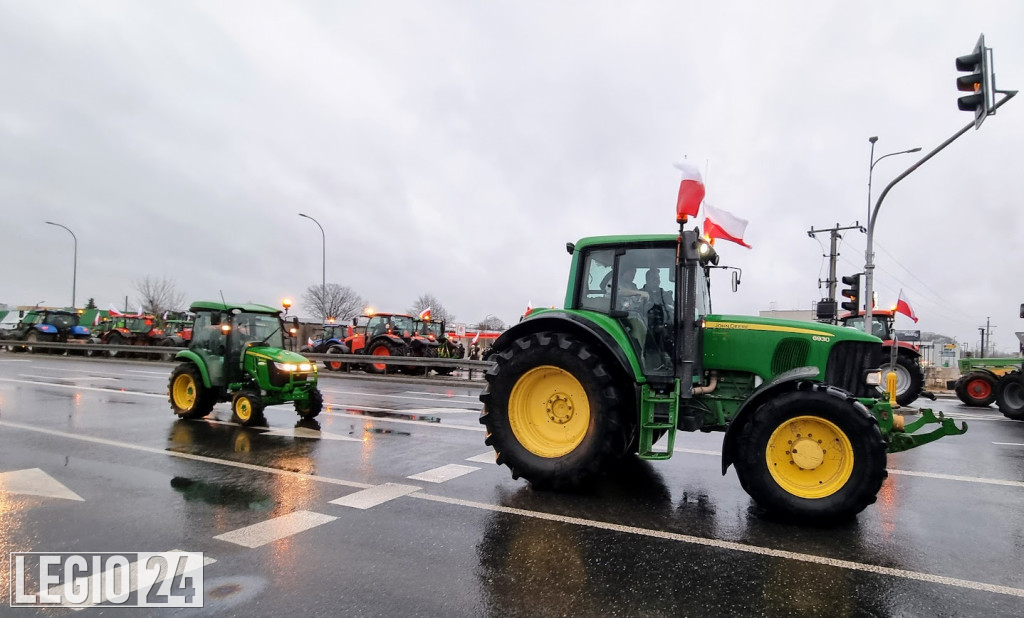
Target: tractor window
pixel 207 335
pixel 595 288
pixel 259 328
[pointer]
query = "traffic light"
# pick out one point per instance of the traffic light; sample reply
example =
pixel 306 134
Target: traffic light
pixel 979 81
pixel 852 292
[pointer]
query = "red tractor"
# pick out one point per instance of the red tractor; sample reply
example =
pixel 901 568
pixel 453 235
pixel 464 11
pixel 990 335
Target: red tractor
pixel 909 375
pixel 128 329
pixel 380 334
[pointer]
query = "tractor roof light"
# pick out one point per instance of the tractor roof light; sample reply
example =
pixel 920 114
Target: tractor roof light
pixel 707 253
pixel 225 328
pixel 286 303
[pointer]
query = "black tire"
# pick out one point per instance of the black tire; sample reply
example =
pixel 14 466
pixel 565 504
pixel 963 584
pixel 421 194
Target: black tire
pixel 567 368
pixel 1010 395
pixel 335 365
pixel 312 407
pixel 388 348
pixel 166 356
pixel 191 399
pixel 247 408
pixel 115 339
pixel 821 486
pixel 976 389
pixel 30 338
pixel 909 379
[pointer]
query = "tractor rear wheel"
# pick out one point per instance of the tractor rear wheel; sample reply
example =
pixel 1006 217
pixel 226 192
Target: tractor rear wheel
pixel 247 408
pixel 334 365
pixel 30 338
pixel 552 413
pixel 188 397
pixel 976 389
pixel 114 339
pixel 909 379
pixel 382 347
pixel 312 406
pixel 812 454
pixel 1010 395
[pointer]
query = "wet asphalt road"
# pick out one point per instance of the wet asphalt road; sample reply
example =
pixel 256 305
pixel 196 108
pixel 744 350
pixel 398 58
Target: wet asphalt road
pixel 454 535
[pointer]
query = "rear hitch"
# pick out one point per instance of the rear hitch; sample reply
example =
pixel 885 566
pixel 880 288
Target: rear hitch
pixel 907 438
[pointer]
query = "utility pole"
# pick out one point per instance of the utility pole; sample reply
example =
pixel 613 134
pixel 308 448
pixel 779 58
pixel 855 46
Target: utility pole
pixel 834 236
pixel 981 352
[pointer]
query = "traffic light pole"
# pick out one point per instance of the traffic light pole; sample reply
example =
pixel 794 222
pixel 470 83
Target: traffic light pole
pixel 869 252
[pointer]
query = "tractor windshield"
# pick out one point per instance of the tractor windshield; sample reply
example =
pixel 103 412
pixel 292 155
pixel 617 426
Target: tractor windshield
pixel 879 326
pixel 63 321
pixel 401 325
pixel 260 328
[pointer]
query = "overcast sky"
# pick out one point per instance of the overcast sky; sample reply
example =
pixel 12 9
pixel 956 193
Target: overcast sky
pixel 454 147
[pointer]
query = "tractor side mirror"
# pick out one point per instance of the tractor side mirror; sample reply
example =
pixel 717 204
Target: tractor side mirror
pixel 735 280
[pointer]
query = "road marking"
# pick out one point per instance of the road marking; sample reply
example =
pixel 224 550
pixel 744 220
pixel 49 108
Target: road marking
pixel 444 473
pixel 162 374
pixel 306 432
pixel 405 422
pixel 473 398
pixel 119 391
pixel 15 360
pixel 727 545
pixel 369 498
pixel 35 482
pixel 384 395
pixel 28 375
pixel 953 477
pixel 487 458
pixel 731 546
pixel 275 529
pixel 1008 443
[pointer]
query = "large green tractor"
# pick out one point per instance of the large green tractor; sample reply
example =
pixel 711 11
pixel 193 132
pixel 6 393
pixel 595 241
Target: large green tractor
pixel 637 355
pixel 237 354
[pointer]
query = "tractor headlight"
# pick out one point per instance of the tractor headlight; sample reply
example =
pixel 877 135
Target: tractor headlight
pixel 292 367
pixel 874 378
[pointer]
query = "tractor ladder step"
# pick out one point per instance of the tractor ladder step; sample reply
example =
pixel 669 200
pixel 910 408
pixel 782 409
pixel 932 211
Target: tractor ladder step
pixel 659 414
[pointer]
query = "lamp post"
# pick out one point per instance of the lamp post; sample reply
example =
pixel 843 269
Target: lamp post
pixel 74 271
pixel 323 274
pixel 869 252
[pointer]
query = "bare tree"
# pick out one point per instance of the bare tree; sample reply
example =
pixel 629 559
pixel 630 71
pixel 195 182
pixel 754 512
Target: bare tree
pixel 437 310
pixel 490 323
pixel 159 295
pixel 333 301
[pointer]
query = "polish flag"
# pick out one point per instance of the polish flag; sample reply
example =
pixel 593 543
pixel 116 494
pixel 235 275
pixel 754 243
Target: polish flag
pixel 529 308
pixel 425 314
pixel 114 311
pixel 476 338
pixel 903 306
pixel 691 190
pixel 725 225
pixel 309 341
pixel 96 319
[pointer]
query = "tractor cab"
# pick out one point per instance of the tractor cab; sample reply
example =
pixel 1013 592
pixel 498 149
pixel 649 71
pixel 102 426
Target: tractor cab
pixel 881 323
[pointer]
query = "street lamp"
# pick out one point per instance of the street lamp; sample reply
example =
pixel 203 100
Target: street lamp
pixel 323 274
pixel 869 252
pixel 74 271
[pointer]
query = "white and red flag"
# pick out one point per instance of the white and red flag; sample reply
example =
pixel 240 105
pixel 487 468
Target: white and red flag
pixel 691 190
pixel 476 337
pixel 529 308
pixel 96 319
pixel 309 341
pixel 425 314
pixel 722 224
pixel 113 310
pixel 903 306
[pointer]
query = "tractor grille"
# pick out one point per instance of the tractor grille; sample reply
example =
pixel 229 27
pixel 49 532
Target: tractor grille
pixel 849 362
pixel 790 354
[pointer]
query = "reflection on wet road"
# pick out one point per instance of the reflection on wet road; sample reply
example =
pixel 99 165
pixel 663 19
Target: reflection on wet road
pixel 389 504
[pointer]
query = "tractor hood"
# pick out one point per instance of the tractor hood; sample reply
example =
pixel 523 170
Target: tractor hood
pixel 768 346
pixel 277 355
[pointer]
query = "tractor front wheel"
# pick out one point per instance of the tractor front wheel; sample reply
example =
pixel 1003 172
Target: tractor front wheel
pixel 909 379
pixel 812 454
pixel 1010 395
pixel 188 397
pixel 334 365
pixel 381 348
pixel 553 414
pixel 247 408
pixel 114 339
pixel 311 407
pixel 976 389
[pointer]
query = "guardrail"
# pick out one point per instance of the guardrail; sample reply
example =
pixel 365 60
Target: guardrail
pixel 475 369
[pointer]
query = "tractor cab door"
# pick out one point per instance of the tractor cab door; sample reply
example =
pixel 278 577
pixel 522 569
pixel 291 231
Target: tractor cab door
pixel 209 341
pixel 636 285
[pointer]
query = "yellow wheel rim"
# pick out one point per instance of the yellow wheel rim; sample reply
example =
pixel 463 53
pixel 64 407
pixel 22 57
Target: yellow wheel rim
pixel 809 457
pixel 549 411
pixel 184 392
pixel 243 408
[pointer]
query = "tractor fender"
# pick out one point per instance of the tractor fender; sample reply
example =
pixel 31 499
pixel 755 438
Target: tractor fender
pixel 906 349
pixel 191 357
pixel 795 379
pixel 395 339
pixel 49 329
pixel 79 330
pixel 576 325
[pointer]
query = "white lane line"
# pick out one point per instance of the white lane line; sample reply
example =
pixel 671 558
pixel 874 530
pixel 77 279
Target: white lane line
pixel 1009 443
pixel 202 458
pixel 386 396
pixel 28 375
pixel 953 477
pixel 369 498
pixel 732 546
pixel 313 434
pixel 162 374
pixel 401 421
pixel 727 545
pixel 15 360
pixel 275 529
pixel 487 458
pixel 114 391
pixel 444 473
pixel 97 581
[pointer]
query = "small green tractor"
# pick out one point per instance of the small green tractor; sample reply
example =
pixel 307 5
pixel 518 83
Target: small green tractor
pixel 984 380
pixel 636 355
pixel 237 354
